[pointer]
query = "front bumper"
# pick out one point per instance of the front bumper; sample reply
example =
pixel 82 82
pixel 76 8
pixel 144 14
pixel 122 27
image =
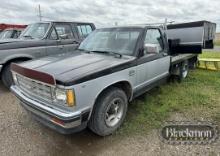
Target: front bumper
pixel 1 66
pixel 63 122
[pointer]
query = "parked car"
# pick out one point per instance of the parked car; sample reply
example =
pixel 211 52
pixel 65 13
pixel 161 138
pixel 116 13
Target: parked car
pixel 39 40
pixel 10 34
pixel 11 26
pixel 93 85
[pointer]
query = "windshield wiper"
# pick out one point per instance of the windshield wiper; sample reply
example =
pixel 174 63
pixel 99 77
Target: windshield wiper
pixel 107 52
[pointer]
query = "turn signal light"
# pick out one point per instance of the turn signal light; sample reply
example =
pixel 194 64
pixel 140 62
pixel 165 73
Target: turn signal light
pixel 70 98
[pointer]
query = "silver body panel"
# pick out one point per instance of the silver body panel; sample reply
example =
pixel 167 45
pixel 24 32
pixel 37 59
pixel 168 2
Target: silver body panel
pixel 87 92
pixel 152 71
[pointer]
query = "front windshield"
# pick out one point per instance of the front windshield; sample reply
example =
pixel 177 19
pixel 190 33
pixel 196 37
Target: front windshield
pixel 35 31
pixel 118 40
pixel 6 34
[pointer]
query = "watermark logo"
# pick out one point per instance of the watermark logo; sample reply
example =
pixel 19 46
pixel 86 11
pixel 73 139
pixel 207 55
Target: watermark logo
pixel 189 133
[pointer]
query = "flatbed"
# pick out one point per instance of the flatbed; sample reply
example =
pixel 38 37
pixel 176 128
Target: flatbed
pixel 180 57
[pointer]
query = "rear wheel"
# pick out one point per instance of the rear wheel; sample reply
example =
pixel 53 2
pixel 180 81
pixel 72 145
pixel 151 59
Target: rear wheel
pixel 109 112
pixel 183 70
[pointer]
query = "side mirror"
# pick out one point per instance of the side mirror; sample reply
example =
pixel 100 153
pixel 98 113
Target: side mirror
pixel 151 48
pixel 63 36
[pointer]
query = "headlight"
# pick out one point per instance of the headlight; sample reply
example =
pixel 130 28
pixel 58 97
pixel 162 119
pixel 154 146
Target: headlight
pixel 65 96
pixel 60 95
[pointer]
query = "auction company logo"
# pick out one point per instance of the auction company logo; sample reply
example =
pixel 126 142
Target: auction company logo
pixel 189 132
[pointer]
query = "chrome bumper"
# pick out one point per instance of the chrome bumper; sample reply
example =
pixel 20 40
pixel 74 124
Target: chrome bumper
pixel 63 122
pixel 1 68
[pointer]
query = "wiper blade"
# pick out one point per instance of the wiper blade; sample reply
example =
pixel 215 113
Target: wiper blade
pixel 108 52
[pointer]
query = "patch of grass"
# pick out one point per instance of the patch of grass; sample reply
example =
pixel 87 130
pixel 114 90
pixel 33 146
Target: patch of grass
pixel 210 55
pixel 200 90
pixel 217 43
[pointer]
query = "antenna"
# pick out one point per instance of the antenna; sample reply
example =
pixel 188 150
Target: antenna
pixel 39 13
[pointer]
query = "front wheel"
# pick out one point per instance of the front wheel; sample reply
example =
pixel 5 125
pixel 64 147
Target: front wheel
pixel 109 112
pixel 7 76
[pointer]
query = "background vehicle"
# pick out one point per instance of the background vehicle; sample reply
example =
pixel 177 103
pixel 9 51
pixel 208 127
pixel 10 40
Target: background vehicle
pixel 111 67
pixel 41 39
pixel 11 26
pixel 10 33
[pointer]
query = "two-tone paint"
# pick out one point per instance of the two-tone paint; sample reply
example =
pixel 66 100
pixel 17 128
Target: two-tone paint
pixel 89 74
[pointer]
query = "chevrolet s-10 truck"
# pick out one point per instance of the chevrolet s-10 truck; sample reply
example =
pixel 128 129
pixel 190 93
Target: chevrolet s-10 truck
pixel 93 85
pixel 40 40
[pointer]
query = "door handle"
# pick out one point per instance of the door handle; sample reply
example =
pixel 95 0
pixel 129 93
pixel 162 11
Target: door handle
pixel 58 41
pixel 61 46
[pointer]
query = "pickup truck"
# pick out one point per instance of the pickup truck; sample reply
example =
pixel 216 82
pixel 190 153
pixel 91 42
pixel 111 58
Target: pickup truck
pixel 93 85
pixel 39 40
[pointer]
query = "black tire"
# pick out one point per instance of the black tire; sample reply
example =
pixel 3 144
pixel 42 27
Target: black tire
pixel 7 76
pixel 98 122
pixel 183 70
pixel 193 64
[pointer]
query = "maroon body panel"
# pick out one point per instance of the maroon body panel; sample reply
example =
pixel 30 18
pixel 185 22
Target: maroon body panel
pixel 33 74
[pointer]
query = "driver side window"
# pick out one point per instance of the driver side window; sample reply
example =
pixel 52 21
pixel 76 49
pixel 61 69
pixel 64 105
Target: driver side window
pixel 64 31
pixel 154 38
pixel 53 35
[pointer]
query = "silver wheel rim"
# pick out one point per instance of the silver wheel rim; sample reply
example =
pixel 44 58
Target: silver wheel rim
pixel 114 112
pixel 185 70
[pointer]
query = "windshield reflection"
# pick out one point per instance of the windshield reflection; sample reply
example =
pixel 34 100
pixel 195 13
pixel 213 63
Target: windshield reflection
pixel 35 31
pixel 117 40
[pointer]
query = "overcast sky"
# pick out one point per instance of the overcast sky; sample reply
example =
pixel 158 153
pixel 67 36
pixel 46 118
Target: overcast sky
pixel 107 12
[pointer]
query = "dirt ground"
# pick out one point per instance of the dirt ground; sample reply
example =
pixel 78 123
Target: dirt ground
pixel 21 135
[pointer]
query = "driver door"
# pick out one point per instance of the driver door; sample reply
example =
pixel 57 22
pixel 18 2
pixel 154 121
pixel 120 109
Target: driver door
pixel 61 40
pixel 152 67
pixel 67 39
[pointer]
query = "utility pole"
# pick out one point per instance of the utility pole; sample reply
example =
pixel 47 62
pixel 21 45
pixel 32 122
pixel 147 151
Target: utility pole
pixel 39 11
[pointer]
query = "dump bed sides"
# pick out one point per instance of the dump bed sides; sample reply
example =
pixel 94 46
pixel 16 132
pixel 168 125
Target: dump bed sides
pixel 191 37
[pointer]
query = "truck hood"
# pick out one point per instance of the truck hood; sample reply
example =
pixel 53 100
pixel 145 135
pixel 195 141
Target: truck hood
pixel 74 68
pixel 20 43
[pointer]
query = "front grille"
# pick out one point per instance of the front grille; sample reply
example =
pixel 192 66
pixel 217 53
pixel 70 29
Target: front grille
pixel 36 89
